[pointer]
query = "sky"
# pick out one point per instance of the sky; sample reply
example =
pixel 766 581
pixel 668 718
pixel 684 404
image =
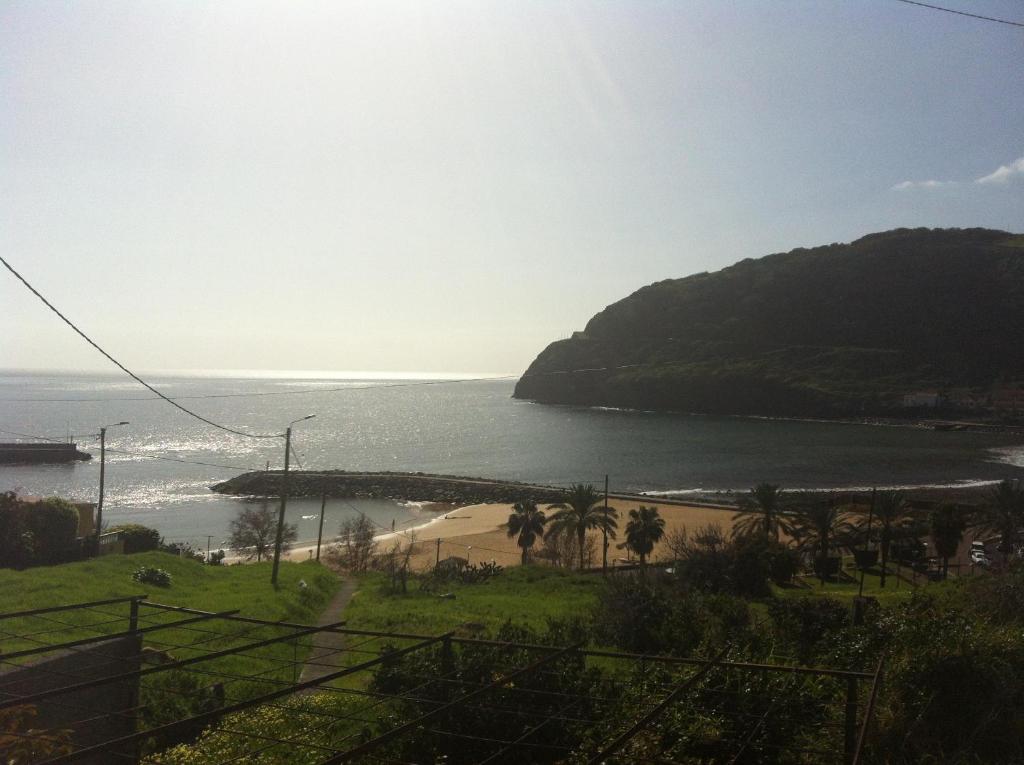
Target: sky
pixel 450 186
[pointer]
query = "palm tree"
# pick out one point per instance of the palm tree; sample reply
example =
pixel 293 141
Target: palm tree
pixel 761 513
pixel 891 509
pixel 579 512
pixel 527 522
pixel 818 528
pixel 644 530
pixel 948 524
pixel 1004 514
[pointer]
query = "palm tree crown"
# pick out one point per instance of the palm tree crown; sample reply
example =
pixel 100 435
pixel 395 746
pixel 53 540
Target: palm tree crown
pixel 527 522
pixel 580 512
pixel 948 525
pixel 891 509
pixel 819 527
pixel 645 528
pixel 761 512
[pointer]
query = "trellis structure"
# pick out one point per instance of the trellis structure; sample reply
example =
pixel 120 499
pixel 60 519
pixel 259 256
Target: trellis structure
pixel 525 702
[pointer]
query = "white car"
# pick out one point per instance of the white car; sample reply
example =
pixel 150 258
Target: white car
pixel 980 558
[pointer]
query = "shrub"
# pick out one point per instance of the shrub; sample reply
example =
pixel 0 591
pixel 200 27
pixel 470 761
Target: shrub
pixel 138 538
pixel 651 615
pixel 152 575
pixel 54 527
pixel 806 623
pixel 16 541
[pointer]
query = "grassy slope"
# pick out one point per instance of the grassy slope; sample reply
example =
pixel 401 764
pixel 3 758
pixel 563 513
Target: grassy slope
pixel 193 585
pixel 209 588
pixel 525 596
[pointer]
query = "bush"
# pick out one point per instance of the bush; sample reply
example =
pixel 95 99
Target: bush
pixel 658 616
pixel 138 538
pixel 806 623
pixel 16 541
pixel 53 524
pixel 152 575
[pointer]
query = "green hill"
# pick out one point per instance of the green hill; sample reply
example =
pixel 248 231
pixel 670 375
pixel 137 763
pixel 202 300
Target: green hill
pixel 839 330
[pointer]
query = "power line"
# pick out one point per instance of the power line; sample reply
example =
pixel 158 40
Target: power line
pixel 962 13
pixel 122 367
pixel 136 454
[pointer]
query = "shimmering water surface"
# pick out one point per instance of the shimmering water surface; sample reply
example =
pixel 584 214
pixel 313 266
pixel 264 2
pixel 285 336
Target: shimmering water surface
pixel 468 428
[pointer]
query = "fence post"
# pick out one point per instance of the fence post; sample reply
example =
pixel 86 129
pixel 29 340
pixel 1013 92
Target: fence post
pixel 133 615
pixel 850 719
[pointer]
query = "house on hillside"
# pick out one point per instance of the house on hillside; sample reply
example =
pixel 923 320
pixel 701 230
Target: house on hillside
pixel 86 514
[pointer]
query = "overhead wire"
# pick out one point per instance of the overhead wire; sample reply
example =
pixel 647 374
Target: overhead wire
pixel 136 454
pixel 963 13
pixel 125 369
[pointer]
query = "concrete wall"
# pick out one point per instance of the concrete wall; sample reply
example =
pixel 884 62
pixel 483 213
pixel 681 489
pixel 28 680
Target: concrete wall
pixel 98 705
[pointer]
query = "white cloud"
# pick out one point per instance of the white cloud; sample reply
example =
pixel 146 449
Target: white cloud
pixel 907 185
pixel 1004 173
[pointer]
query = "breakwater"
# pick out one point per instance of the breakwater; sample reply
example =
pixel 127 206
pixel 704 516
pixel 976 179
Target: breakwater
pixel 421 487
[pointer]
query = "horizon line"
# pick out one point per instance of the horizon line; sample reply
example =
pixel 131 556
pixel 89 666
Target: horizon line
pixel 292 374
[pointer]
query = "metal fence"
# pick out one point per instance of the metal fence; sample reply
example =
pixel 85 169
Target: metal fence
pixel 202 678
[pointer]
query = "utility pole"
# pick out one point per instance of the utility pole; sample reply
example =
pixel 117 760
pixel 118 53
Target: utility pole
pixel 208 538
pixel 604 551
pixel 103 466
pixel 284 504
pixel 437 558
pixel 867 541
pixel 284 497
pixel 320 533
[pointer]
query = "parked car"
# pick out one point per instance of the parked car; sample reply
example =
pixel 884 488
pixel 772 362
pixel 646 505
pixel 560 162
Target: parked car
pixel 980 557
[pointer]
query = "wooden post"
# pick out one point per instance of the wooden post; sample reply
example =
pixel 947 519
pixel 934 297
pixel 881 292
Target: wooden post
pixel 604 530
pixel 437 557
pixel 320 533
pixel 850 719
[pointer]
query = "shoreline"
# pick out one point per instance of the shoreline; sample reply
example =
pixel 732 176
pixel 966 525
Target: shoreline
pixel 916 423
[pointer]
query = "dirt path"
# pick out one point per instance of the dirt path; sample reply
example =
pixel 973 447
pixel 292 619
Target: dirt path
pixel 326 655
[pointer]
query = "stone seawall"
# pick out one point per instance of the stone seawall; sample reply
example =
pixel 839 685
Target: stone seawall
pixel 421 487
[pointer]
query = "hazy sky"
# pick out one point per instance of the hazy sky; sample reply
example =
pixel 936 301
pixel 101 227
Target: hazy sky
pixel 447 186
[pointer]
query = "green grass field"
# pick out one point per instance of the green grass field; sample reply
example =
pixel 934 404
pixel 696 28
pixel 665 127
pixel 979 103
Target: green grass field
pixel 194 585
pixel 525 596
pixel 848 587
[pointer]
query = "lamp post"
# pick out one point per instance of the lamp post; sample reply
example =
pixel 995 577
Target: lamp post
pixel 284 496
pixel 103 464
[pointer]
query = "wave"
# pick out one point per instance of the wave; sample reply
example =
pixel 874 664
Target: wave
pixel 1008 455
pixel 966 483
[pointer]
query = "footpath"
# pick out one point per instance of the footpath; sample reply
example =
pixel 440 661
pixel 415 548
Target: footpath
pixel 326 655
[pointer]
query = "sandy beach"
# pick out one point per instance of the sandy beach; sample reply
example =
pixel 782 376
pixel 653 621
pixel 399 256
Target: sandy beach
pixel 475 532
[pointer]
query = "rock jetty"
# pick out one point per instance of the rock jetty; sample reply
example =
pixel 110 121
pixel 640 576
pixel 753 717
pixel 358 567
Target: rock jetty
pixel 422 487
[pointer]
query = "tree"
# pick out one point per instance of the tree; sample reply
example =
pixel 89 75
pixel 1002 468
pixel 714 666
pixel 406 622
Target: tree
pixel 526 522
pixel 54 526
pixel 891 509
pixel 253 532
pixel 579 513
pixel 818 528
pixel 644 530
pixel 1003 514
pixel 355 546
pixel 948 524
pixel 761 512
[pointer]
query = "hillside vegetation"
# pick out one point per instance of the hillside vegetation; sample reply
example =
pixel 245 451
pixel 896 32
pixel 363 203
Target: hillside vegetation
pixel 839 330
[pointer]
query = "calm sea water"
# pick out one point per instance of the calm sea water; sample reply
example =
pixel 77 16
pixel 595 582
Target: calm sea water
pixel 469 428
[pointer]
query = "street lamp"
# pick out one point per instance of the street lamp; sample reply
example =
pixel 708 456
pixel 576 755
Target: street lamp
pixel 103 463
pixel 284 496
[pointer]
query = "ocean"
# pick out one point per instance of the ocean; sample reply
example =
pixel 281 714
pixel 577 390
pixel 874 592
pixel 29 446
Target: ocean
pixel 474 428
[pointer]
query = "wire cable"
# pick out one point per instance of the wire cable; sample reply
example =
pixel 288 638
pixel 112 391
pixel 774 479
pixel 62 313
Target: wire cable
pixel 125 369
pixel 136 454
pixel 962 13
